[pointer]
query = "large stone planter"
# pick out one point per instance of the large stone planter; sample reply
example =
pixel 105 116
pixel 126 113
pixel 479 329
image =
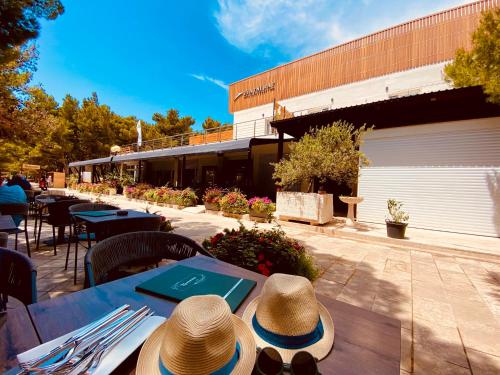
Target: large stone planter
pixel 309 207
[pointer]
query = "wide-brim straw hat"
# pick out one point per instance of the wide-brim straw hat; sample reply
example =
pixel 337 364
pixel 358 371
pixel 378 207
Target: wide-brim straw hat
pixel 287 317
pixel 200 337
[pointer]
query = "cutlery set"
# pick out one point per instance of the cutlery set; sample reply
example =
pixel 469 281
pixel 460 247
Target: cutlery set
pixel 83 352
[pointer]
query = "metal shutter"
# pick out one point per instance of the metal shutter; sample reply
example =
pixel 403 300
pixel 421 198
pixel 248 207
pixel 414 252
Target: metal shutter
pixel 447 175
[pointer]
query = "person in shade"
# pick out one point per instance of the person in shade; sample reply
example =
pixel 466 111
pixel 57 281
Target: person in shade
pixel 13 194
pixel 20 180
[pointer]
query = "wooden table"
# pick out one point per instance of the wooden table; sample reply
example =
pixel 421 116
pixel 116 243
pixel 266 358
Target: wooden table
pixel 7 223
pixel 365 342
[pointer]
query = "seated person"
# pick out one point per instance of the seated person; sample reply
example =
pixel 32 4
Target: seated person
pixel 20 180
pixel 13 194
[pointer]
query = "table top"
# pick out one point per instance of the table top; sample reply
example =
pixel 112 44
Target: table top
pixel 365 342
pixel 7 223
pixel 132 214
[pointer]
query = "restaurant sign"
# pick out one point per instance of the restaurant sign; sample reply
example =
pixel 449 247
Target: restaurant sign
pixel 255 91
pixel 30 166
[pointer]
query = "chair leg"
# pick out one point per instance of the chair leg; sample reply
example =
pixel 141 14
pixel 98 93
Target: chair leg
pixel 76 261
pixel 15 246
pixel 54 239
pixel 67 251
pixel 36 221
pixel 27 239
pixel 39 233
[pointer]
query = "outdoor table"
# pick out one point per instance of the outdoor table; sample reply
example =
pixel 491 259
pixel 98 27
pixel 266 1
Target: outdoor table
pixel 92 223
pixel 7 223
pixel 365 342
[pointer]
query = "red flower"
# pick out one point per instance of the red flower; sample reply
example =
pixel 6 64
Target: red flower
pixel 268 263
pixel 260 257
pixel 216 238
pixel 263 269
pixel 261 239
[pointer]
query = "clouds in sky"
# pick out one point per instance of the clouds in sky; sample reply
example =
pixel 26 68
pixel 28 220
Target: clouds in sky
pixel 300 27
pixel 215 81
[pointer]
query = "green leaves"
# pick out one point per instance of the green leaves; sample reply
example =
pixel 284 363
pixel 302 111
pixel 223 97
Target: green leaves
pixel 480 65
pixel 326 153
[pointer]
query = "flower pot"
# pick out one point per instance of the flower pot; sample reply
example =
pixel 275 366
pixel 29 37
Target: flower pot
pixel 309 207
pixel 112 191
pixel 396 230
pixel 230 214
pixel 211 206
pixel 258 214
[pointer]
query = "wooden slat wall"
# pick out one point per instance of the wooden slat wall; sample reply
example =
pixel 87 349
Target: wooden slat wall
pixel 420 42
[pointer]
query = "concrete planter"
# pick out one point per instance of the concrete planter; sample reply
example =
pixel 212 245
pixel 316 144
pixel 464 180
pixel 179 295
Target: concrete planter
pixel 234 216
pixel 211 206
pixel 310 207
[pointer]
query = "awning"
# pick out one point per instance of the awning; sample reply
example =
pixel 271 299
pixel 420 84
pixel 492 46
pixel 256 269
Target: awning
pixel 108 159
pixel 236 145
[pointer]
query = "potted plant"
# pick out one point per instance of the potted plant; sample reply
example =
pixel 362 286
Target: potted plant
pixel 211 198
pixel 262 251
pixel 234 204
pixel 328 153
pixel 396 225
pixel 261 207
pixel 186 198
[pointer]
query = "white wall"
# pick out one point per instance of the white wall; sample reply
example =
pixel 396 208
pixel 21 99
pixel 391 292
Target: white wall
pixel 415 81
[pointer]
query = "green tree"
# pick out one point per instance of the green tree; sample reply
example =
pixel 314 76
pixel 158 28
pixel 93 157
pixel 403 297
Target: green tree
pixel 330 152
pixel 210 123
pixel 480 65
pixel 172 124
pixel 19 23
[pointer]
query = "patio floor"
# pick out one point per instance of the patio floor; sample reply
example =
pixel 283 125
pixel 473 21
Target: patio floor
pixel 449 306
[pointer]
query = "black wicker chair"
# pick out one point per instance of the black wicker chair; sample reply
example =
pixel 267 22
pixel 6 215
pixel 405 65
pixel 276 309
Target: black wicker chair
pixel 17 278
pixel 59 216
pixel 112 228
pixel 104 259
pixel 20 209
pixel 41 211
pixel 79 229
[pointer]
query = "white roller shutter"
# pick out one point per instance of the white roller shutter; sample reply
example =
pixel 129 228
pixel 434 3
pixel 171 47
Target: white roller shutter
pixel 447 175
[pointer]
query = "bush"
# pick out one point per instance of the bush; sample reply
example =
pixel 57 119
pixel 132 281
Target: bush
pixel 262 205
pixel 150 195
pixel 213 195
pixel 234 203
pixel 266 252
pixel 187 198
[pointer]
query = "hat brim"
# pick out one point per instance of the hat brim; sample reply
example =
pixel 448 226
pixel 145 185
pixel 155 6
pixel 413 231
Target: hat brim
pixel 319 349
pixel 149 357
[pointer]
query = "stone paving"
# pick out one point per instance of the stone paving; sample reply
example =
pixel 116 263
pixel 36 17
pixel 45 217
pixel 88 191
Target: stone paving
pixel 449 307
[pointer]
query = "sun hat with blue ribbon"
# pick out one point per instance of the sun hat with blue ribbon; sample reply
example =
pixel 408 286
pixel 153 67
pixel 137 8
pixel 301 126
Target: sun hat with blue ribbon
pixel 287 317
pixel 201 337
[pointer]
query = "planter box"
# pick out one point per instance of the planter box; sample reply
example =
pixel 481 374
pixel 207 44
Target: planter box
pixel 211 206
pixel 235 216
pixel 257 214
pixel 112 191
pixel 310 207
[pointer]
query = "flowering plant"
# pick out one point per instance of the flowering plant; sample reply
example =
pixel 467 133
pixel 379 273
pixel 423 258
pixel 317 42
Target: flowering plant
pixel 129 191
pixel 234 202
pixel 262 205
pixel 150 195
pixel 213 195
pixel 263 251
pixel 187 198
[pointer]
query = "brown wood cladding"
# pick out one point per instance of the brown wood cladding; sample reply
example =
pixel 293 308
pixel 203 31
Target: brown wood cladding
pixel 420 42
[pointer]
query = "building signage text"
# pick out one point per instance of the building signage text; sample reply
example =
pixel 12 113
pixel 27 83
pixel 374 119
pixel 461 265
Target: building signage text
pixel 256 91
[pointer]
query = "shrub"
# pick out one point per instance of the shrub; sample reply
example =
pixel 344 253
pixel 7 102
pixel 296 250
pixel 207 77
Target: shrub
pixel 396 212
pixel 140 189
pixel 262 205
pixel 150 195
pixel 263 251
pixel 213 195
pixel 187 198
pixel 128 191
pixel 234 203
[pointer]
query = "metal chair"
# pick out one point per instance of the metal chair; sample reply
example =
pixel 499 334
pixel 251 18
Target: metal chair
pixel 78 228
pixel 20 209
pixel 146 248
pixel 59 217
pixel 17 278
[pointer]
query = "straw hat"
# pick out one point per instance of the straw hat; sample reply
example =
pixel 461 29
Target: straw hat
pixel 287 317
pixel 200 337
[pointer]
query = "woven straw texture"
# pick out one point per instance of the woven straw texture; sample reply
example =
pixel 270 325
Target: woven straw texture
pixel 199 338
pixel 287 306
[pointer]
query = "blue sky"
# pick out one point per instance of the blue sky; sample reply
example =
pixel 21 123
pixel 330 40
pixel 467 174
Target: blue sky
pixel 147 56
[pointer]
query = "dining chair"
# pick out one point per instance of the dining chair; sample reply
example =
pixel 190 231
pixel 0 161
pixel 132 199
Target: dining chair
pixel 4 239
pixel 78 229
pixel 41 211
pixel 59 216
pixel 18 209
pixel 17 278
pixel 104 260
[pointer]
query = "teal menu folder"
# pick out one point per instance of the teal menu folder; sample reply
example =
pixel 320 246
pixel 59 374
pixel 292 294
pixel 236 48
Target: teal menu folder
pixel 181 282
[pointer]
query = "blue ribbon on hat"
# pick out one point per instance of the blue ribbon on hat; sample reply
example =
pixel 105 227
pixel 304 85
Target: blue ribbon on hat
pixel 225 370
pixel 288 342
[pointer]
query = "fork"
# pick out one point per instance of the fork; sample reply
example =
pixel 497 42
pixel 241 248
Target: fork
pixel 72 342
pixel 88 364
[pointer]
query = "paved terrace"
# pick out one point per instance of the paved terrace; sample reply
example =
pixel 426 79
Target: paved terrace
pixel 449 306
